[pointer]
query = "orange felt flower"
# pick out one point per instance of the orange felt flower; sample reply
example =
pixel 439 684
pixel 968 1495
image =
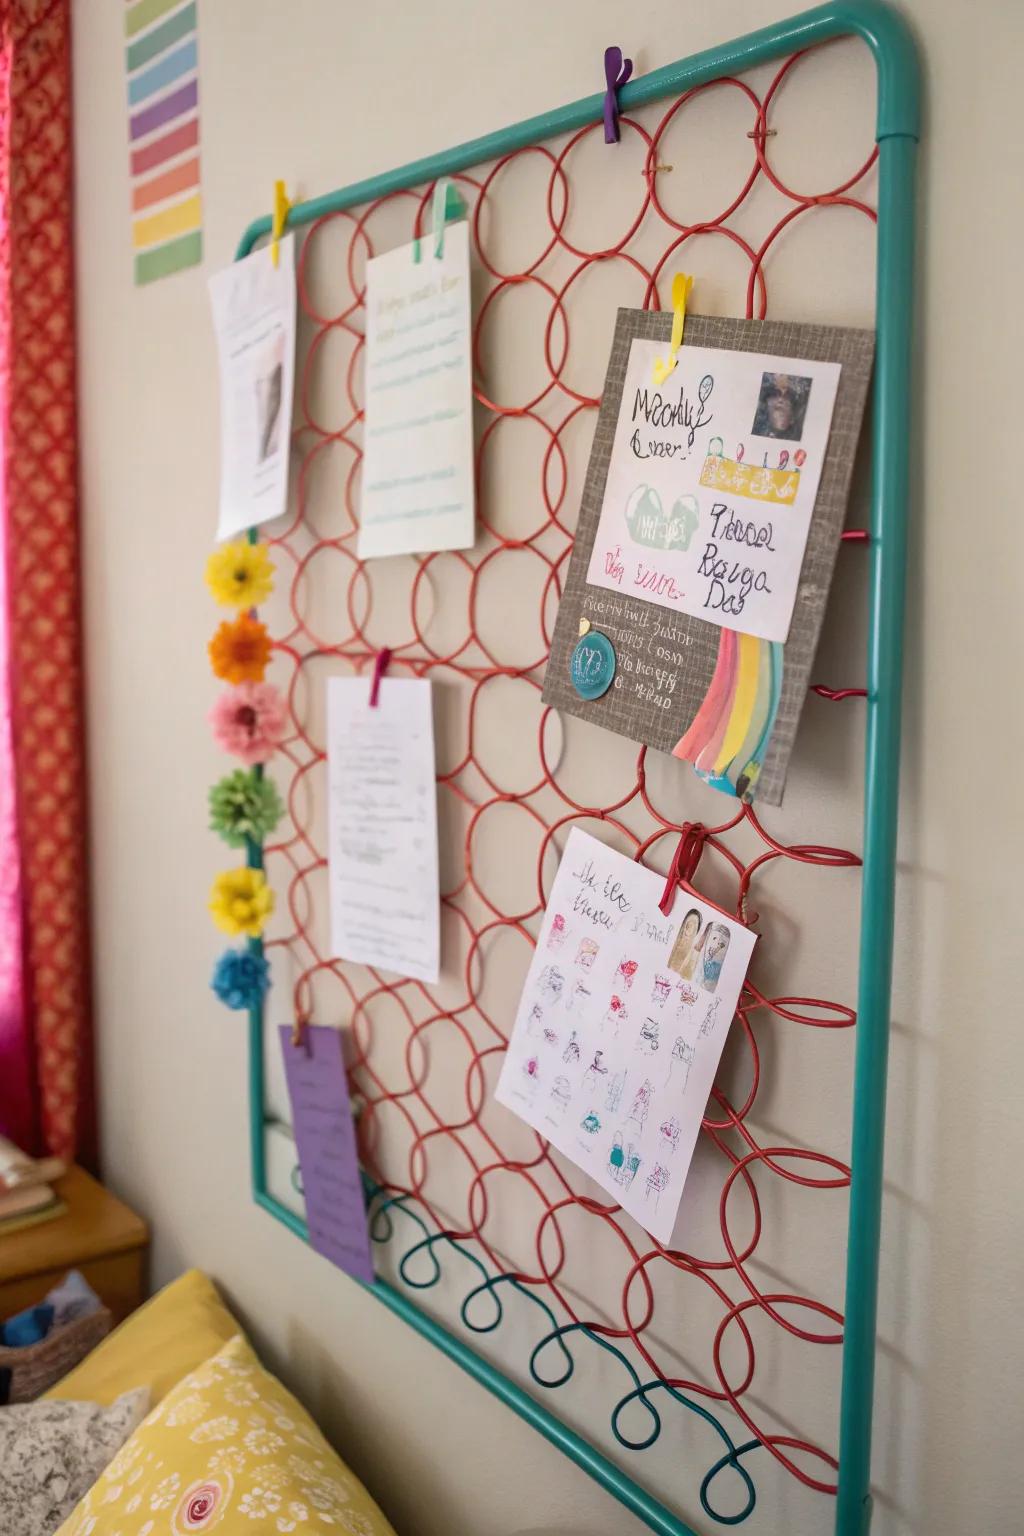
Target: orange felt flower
pixel 240 650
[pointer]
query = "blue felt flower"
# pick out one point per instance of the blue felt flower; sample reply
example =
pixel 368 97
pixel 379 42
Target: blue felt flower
pixel 241 979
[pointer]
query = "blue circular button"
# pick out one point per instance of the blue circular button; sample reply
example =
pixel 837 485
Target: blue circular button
pixel 592 665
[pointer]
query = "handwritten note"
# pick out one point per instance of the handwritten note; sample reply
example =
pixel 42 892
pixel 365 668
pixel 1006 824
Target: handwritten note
pixel 254 318
pixel 417 490
pixel 326 1142
pixel 385 899
pixel 621 1026
pixel 712 483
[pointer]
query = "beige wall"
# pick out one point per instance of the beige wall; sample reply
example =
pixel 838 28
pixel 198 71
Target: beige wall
pixel 325 93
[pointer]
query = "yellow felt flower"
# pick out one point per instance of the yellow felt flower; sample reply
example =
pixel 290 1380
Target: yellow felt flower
pixel 241 901
pixel 240 575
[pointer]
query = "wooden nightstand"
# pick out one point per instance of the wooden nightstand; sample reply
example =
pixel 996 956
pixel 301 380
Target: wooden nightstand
pixel 99 1236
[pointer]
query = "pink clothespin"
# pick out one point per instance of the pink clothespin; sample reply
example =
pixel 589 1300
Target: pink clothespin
pixel 381 662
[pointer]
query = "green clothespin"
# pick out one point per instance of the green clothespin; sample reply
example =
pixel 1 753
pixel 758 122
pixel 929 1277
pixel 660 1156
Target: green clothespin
pixel 446 206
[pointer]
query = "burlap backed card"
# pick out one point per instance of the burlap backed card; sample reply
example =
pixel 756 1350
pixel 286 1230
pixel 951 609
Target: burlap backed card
pixel 658 639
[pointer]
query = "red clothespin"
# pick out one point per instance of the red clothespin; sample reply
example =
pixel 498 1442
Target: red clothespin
pixel 684 862
pixel 381 662
pixel 617 71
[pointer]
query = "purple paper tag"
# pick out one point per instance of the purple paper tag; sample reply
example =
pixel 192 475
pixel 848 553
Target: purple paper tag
pixel 326 1141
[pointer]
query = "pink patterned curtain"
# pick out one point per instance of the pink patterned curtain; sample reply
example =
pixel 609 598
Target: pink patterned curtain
pixel 46 1086
pixel 18 1118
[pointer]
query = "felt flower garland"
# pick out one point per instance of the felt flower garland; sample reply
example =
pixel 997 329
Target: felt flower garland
pixel 241 979
pixel 244 809
pixel 241 901
pixel 240 575
pixel 240 650
pixel 249 720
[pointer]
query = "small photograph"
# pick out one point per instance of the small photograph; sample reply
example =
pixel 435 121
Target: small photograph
pixel 269 386
pixel 782 406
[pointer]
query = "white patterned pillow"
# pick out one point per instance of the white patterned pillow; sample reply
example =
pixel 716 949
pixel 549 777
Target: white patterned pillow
pixel 51 1453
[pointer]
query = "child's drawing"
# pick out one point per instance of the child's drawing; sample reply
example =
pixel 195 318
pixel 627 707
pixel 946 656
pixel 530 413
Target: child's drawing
pixel 687 995
pixel 558 932
pixel 623 1162
pixel 682 1054
pixel 616 1014
pixel 613 1098
pixel 661 991
pixel 714 946
pixel 641 1104
pixel 657 1180
pixel 648 1039
pixel 597 1069
pixel 624 975
pixel 683 959
pixel 561 1094
pixel 669 1132
pixel 579 997
pixel 710 1018
pixel 587 953
pixel 551 983
pixel 625 1104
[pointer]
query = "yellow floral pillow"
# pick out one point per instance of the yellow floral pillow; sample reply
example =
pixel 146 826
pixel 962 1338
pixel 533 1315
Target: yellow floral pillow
pixel 227 1450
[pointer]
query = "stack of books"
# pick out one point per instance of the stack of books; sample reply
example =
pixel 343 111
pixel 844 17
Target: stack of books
pixel 26 1193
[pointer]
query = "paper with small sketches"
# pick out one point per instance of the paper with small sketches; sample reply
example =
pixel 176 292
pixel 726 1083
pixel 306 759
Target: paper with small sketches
pixel 621 1026
pixel 254 319
pixel 325 1140
pixel 417 477
pixel 382 851
pixel 712 484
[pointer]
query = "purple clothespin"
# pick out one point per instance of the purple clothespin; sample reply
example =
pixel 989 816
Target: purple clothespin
pixel 381 662
pixel 617 71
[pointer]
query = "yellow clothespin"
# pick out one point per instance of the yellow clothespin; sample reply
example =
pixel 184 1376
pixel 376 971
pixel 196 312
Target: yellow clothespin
pixel 282 207
pixel 681 286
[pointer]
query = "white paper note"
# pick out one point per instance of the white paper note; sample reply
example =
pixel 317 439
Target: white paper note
pixel 384 892
pixel 417 485
pixel 254 318
pixel 621 1026
pixel 712 482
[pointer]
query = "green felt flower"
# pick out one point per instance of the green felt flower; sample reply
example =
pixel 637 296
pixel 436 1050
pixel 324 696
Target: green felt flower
pixel 243 806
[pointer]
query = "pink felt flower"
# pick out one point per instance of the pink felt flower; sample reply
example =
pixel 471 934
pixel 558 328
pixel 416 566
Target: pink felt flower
pixel 250 721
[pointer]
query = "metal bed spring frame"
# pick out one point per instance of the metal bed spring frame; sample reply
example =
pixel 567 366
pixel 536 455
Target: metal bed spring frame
pixel 897 133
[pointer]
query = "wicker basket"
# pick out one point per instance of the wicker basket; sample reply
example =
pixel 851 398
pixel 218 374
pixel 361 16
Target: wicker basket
pixel 35 1368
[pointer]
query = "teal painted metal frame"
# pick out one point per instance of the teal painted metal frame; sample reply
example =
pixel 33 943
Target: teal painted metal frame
pixel 897 132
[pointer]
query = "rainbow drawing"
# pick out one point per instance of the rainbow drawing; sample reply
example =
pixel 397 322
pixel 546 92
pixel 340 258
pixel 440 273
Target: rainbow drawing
pixel 162 65
pixel 728 738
